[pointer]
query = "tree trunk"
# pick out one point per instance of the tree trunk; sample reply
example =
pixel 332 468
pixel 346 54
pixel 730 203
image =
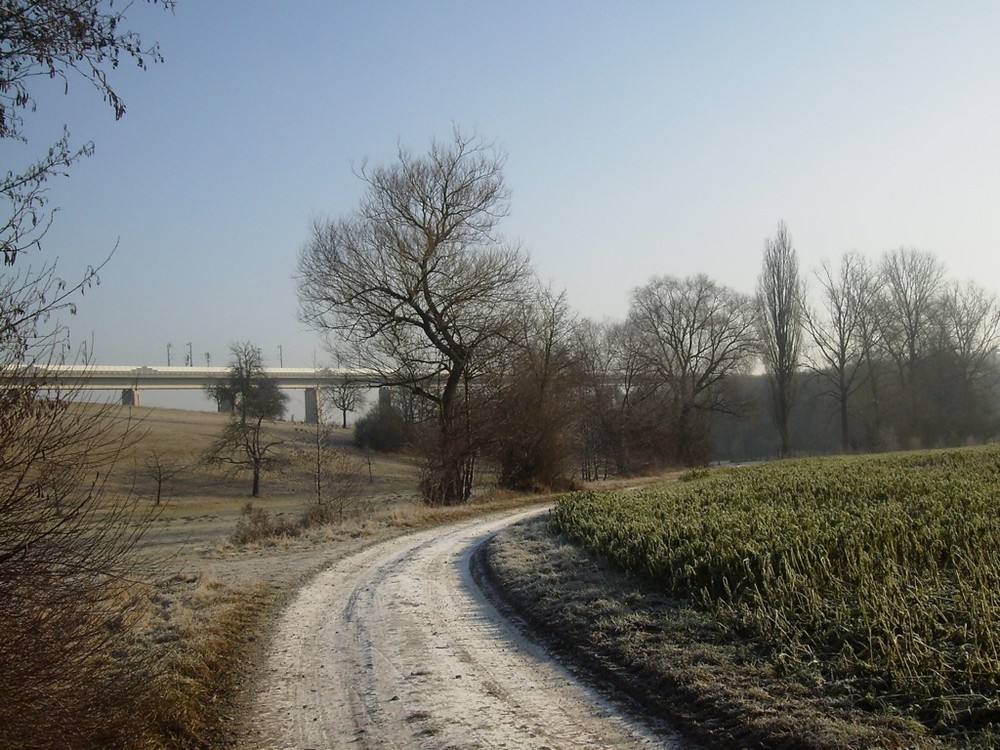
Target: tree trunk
pixel 449 473
pixel 845 435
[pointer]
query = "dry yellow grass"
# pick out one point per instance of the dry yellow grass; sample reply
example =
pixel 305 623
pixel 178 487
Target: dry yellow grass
pixel 201 505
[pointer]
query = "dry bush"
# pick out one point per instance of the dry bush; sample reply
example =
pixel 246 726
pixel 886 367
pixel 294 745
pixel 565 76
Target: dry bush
pixel 201 638
pixel 257 525
pixel 342 478
pixel 339 484
pixel 69 578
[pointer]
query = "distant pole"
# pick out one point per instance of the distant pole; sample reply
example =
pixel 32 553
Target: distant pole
pixel 190 355
pixel 208 359
pixel 281 357
pixel 168 353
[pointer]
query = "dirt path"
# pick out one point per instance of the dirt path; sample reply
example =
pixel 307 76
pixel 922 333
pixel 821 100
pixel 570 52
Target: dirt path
pixel 395 647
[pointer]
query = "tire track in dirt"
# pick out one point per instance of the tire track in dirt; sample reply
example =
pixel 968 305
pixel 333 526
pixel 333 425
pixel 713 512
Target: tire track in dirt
pixel 396 647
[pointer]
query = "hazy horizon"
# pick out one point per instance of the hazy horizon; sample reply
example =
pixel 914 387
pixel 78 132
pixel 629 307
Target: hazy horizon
pixel 643 139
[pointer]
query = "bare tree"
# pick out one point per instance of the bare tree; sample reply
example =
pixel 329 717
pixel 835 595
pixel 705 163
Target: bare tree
pixel 419 280
pixel 161 470
pixel 779 302
pixel 960 379
pixel 692 334
pixel 912 282
pixel 337 475
pixel 970 318
pixel 246 444
pixel 837 330
pixel 68 562
pixel 345 396
pixel 907 311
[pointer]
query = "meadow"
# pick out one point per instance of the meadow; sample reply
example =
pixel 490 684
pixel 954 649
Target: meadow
pixel 877 574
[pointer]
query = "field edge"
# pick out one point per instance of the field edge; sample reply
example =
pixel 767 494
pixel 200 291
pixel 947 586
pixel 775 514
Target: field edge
pixel 664 661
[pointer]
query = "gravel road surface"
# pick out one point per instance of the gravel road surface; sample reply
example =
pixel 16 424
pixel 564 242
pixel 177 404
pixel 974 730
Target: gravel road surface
pixel 396 647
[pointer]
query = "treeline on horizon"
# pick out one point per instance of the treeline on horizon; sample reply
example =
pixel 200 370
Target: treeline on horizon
pixel 890 355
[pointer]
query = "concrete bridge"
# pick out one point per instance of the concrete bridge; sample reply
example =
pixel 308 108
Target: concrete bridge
pixel 131 379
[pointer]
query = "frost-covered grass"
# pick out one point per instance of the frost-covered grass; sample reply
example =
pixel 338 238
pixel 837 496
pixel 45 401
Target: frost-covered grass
pixel 883 571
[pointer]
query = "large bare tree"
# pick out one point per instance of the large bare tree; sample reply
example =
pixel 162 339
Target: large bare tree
pixel 779 302
pixel 420 281
pixel 691 334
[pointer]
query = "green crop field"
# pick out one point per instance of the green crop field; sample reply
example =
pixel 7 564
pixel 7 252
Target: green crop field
pixel 880 573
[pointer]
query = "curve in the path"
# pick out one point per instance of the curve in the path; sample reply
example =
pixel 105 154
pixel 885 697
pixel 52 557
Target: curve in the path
pixel 396 647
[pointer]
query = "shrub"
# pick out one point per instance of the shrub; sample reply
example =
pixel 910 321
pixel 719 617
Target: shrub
pixel 257 525
pixel 382 429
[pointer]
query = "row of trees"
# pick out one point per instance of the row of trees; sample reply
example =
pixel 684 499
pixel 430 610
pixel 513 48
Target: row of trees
pixel 485 361
pixel 908 356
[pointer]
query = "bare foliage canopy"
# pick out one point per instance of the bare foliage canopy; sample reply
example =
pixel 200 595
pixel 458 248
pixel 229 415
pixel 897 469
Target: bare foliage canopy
pixel 55 39
pixel 911 281
pixel 837 329
pixel 421 283
pixel 689 335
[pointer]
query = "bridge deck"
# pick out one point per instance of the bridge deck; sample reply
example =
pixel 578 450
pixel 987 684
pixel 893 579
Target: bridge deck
pixel 114 377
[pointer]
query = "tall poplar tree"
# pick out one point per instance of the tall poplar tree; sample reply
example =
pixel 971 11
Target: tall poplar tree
pixel 780 294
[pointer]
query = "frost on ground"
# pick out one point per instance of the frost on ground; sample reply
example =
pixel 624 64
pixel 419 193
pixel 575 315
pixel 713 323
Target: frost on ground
pixel 395 647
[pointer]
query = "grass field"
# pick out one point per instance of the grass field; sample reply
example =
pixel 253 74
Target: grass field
pixel 879 574
pixel 201 505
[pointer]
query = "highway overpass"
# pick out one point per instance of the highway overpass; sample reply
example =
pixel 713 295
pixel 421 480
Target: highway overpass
pixel 132 379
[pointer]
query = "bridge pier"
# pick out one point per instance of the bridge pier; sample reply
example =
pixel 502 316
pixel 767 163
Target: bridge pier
pixel 130 396
pixel 312 406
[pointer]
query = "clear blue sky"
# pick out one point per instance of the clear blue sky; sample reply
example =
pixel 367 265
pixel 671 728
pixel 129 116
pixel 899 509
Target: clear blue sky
pixel 643 138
